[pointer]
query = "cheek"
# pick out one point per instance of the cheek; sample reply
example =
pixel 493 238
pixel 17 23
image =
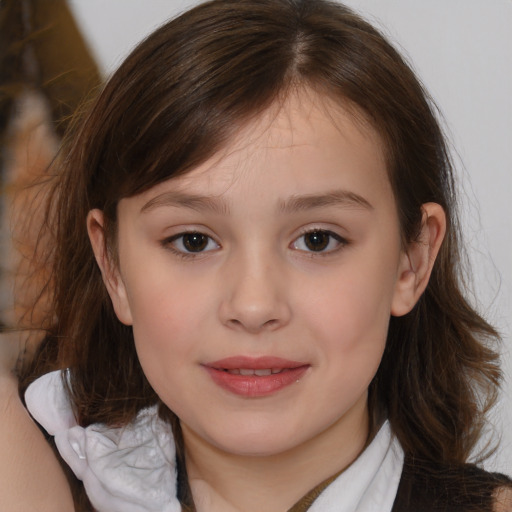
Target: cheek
pixel 354 334
pixel 164 321
pixel 163 330
pixel 166 301
pixel 166 316
pixel 348 316
pixel 351 305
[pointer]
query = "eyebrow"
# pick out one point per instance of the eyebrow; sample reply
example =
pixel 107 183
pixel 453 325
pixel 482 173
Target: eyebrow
pixel 342 198
pixel 192 201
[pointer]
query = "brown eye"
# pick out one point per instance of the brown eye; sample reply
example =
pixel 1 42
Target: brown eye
pixel 191 243
pixel 318 240
pixel 195 242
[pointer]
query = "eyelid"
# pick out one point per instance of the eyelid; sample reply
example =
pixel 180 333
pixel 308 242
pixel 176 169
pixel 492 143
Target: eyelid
pixel 168 243
pixel 342 241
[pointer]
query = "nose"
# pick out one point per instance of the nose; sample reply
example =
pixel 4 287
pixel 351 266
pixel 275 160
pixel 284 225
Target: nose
pixel 255 297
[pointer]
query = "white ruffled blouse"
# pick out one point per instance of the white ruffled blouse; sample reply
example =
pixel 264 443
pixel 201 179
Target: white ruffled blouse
pixel 133 468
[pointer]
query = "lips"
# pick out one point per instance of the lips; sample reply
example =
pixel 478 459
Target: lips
pixel 255 377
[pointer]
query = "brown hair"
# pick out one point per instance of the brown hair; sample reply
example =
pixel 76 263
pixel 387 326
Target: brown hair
pixel 174 102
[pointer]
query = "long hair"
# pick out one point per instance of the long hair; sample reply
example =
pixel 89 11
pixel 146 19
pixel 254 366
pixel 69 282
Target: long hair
pixel 174 102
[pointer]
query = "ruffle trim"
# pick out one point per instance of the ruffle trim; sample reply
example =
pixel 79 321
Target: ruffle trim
pixel 127 469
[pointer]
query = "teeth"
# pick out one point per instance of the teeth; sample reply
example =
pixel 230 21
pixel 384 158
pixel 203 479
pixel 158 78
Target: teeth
pixel 263 372
pixel 249 371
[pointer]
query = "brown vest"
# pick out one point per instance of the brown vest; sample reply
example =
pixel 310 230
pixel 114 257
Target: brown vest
pixel 429 487
pixel 425 487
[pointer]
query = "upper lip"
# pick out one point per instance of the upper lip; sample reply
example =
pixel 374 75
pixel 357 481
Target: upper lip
pixel 254 363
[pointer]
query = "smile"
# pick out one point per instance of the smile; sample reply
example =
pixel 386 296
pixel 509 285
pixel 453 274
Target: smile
pixel 255 377
pixel 260 373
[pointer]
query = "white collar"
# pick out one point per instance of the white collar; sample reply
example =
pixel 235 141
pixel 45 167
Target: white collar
pixel 370 483
pixel 133 468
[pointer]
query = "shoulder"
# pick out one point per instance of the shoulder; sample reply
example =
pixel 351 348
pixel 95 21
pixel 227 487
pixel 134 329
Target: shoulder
pixel 503 499
pixel 426 486
pixel 31 478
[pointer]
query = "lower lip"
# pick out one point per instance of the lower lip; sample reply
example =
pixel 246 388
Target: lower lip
pixel 254 385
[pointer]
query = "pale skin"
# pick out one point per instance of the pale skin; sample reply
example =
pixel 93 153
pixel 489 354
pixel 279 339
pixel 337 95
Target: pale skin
pixel 227 477
pixel 256 285
pixel 31 478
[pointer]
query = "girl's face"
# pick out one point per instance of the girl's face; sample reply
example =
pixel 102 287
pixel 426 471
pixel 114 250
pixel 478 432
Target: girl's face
pixel 260 284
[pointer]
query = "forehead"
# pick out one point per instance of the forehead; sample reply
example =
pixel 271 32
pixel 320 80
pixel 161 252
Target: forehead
pixel 305 144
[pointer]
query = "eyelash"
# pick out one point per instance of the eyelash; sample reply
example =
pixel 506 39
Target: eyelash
pixel 328 237
pixel 341 242
pixel 170 243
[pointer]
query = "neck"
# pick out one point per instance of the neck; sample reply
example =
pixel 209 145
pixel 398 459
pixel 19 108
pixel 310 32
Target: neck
pixel 227 482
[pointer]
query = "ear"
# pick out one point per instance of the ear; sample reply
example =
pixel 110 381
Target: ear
pixel 418 259
pixel 109 269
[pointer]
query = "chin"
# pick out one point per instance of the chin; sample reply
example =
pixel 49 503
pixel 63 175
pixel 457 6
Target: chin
pixel 255 442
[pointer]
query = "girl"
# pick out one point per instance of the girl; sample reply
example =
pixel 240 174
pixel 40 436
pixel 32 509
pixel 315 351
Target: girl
pixel 256 289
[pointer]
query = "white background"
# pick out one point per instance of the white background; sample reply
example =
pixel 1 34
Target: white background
pixel 462 50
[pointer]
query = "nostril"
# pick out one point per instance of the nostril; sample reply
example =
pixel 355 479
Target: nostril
pixel 253 326
pixel 271 323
